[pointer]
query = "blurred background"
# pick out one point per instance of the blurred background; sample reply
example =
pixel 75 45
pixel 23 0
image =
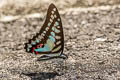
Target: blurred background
pixel 16 7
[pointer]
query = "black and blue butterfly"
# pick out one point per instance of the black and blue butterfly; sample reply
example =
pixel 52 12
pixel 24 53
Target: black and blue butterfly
pixel 49 41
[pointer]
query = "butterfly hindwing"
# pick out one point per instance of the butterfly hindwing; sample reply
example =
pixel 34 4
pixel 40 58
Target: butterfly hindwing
pixel 50 39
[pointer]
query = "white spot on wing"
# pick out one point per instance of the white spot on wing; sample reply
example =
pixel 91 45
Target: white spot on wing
pixel 58 19
pixel 58 42
pixel 51 20
pixel 55 16
pixel 54 9
pixel 58 26
pixel 52 16
pixel 57 37
pixel 47 28
pixel 44 32
pixel 40 37
pixel 52 12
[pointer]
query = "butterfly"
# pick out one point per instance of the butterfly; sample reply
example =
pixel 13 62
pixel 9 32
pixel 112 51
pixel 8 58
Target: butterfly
pixel 49 41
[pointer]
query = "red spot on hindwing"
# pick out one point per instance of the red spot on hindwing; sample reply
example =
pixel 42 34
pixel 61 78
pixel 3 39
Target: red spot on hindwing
pixel 41 45
pixel 36 52
pixel 37 46
pixel 33 49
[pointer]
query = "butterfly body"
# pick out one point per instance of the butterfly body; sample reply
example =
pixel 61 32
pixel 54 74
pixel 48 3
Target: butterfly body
pixel 49 41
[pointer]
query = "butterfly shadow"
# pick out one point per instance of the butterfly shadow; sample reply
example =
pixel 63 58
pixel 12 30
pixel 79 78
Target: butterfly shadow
pixel 42 75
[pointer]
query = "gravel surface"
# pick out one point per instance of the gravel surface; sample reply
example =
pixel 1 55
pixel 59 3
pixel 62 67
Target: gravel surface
pixel 92 43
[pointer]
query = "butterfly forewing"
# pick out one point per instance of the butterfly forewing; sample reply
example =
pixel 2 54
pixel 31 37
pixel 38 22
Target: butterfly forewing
pixel 50 38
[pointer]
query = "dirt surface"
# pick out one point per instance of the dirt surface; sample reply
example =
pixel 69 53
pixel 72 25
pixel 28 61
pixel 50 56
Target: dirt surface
pixel 92 43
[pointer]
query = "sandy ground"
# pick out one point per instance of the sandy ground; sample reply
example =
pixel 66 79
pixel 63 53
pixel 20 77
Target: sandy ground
pixel 92 43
